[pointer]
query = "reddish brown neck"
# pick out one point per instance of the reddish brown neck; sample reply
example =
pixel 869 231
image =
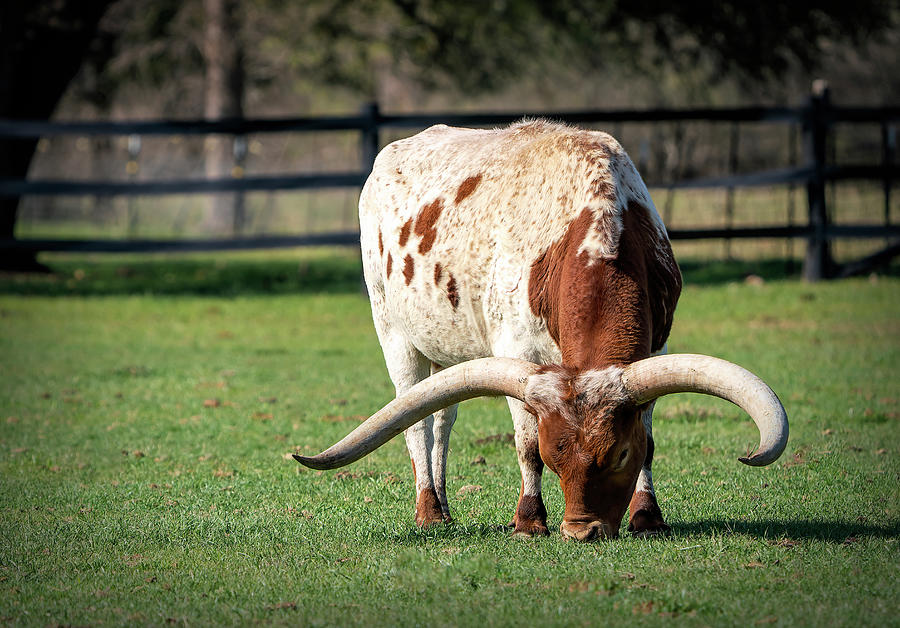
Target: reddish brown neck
pixel 601 313
pixel 603 317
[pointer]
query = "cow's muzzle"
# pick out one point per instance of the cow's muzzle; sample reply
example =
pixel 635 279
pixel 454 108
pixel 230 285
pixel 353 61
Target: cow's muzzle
pixel 587 531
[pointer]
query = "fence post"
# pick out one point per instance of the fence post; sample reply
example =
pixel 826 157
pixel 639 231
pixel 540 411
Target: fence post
pixel 369 135
pixel 818 263
pixel 888 147
pixel 132 167
pixel 239 150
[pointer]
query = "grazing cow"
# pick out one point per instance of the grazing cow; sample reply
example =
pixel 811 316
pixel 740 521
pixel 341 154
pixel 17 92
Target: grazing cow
pixel 530 262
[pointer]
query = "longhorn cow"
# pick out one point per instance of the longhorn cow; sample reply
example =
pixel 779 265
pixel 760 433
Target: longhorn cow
pixel 531 262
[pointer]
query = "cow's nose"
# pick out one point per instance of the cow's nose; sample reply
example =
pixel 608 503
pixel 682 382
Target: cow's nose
pixel 587 531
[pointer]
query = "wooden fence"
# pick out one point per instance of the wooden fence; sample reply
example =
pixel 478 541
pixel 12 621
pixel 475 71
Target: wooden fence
pixel 816 119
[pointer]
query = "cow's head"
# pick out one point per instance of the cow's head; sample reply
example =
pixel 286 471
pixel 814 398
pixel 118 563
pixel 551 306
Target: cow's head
pixel 592 437
pixel 589 426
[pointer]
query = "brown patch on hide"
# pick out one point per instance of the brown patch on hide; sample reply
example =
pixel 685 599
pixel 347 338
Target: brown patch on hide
pixel 466 188
pixel 404 232
pixel 425 224
pixel 551 268
pixel 438 272
pixel 380 244
pixel 614 311
pixel 408 268
pixel 388 266
pixel 452 291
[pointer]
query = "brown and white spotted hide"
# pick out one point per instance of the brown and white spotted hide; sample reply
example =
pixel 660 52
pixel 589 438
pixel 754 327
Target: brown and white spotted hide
pixel 539 242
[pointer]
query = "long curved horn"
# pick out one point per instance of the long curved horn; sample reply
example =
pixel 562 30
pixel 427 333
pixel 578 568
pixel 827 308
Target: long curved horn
pixel 475 378
pixel 648 379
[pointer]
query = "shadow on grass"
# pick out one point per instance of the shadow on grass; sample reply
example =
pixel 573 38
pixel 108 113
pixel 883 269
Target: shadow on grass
pixel 844 533
pixel 313 271
pixel 797 529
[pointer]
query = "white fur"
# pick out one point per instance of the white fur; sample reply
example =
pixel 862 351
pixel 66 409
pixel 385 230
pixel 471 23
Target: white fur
pixel 599 386
pixel 546 394
pixel 526 443
pixel 552 392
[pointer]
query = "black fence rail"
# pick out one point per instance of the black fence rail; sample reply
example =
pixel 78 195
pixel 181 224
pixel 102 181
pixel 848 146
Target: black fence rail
pixel 816 119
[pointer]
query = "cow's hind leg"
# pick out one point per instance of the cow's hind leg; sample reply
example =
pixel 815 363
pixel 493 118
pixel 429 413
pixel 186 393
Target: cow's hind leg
pixel 443 424
pixel 646 518
pixel 407 367
pixel 531 515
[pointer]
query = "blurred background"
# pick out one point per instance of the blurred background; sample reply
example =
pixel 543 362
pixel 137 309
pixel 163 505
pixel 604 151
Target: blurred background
pixel 708 92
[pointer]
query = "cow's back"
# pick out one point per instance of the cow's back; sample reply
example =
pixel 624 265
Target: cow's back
pixel 453 219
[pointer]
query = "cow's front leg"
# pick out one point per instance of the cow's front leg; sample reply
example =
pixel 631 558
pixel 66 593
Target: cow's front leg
pixel 531 515
pixel 646 518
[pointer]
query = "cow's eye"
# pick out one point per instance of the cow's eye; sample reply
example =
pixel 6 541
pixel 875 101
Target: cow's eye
pixel 623 458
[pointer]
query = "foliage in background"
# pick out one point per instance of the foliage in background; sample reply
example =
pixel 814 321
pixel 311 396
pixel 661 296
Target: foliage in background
pixel 398 50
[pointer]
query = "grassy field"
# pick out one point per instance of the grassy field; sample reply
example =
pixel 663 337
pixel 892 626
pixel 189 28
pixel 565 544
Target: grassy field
pixel 148 408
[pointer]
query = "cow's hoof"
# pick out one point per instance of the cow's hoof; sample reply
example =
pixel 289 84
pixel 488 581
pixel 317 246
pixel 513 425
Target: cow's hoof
pixel 530 518
pixel 433 520
pixel 645 524
pixel 529 529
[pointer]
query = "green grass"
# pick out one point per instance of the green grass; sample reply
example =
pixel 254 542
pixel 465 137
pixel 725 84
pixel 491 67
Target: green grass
pixel 144 426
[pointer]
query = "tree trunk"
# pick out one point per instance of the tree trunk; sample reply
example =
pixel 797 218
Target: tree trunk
pixel 223 96
pixel 43 46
